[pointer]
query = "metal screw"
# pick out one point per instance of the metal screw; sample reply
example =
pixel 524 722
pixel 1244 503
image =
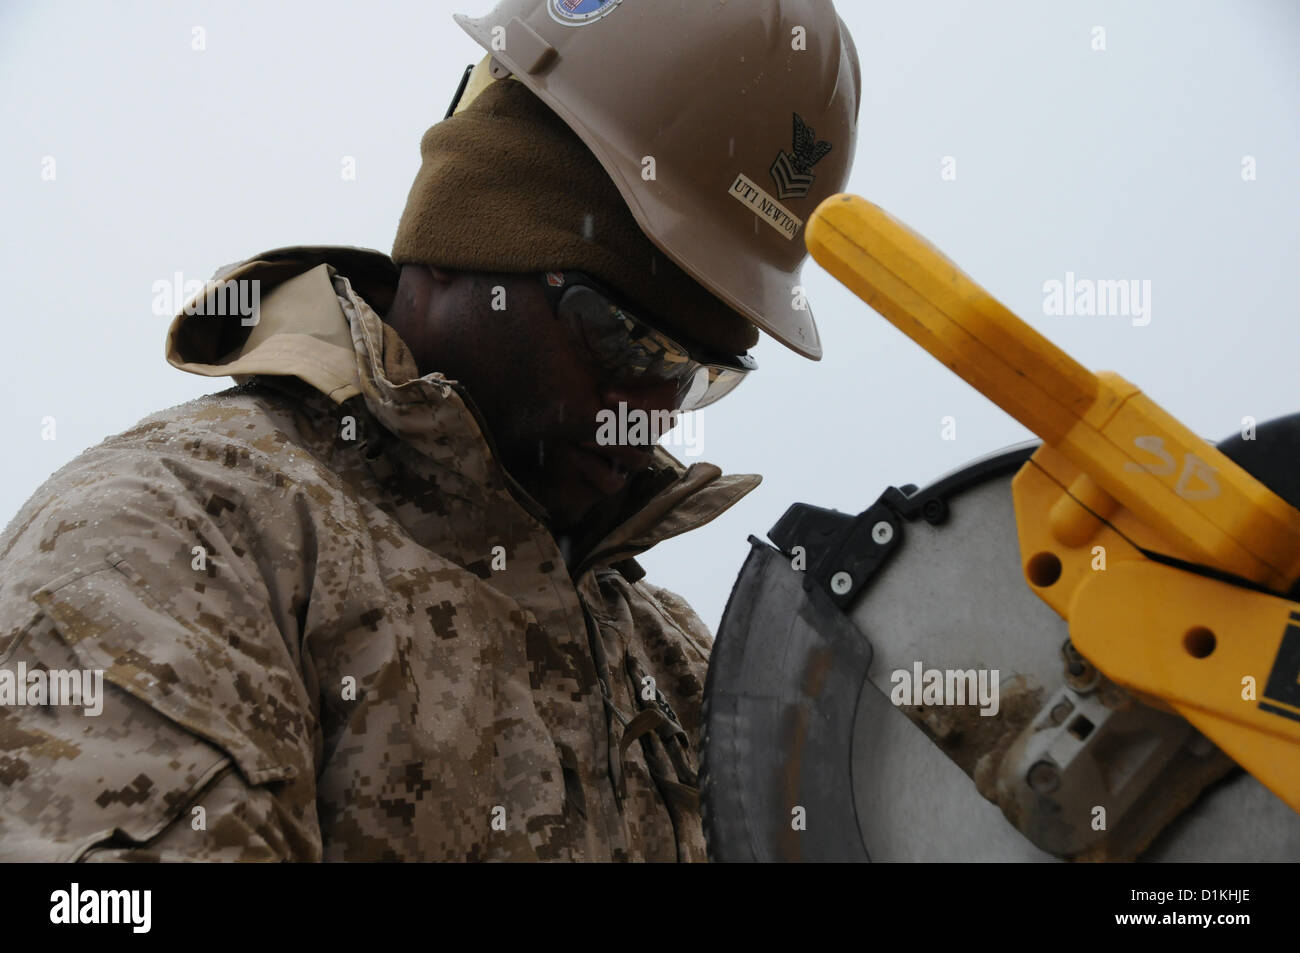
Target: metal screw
pixel 841 583
pixel 1060 712
pixel 934 511
pixel 882 532
pixel 1044 777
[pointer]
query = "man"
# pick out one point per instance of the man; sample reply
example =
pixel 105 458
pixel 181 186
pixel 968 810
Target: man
pixel 380 601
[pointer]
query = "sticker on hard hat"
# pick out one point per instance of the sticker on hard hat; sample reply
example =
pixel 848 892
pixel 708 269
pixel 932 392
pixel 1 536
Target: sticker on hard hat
pixel 580 12
pixel 746 190
pixel 793 174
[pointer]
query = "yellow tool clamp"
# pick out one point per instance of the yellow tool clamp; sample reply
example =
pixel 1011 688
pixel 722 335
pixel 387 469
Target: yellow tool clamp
pixel 1184 607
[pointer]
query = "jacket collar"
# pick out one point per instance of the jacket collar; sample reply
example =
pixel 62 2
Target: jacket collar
pixel 330 334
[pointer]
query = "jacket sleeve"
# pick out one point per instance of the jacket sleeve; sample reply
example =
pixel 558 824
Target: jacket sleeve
pixel 154 588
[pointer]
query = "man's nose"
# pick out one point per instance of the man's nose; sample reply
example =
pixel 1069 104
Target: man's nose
pixel 648 398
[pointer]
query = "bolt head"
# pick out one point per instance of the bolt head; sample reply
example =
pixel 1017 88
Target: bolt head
pixel 841 583
pixel 1060 712
pixel 1044 777
pixel 933 510
pixel 882 532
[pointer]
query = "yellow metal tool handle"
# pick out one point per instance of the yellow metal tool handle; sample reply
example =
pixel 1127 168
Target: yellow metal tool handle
pixel 1176 482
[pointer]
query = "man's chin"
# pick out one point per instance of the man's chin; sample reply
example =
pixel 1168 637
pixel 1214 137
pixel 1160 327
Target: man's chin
pixel 580 510
pixel 573 513
pixel 573 506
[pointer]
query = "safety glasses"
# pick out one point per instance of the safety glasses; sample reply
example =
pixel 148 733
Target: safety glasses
pixel 627 349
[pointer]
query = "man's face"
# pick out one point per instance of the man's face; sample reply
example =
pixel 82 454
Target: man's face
pixel 532 381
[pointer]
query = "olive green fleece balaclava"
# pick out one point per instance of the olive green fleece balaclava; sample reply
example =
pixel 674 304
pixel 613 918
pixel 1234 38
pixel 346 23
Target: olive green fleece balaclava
pixel 506 186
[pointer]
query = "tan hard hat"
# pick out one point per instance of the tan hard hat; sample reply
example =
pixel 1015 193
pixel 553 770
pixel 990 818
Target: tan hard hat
pixel 723 124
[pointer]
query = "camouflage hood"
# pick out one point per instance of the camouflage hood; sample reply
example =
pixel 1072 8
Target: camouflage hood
pixel 332 338
pixel 316 645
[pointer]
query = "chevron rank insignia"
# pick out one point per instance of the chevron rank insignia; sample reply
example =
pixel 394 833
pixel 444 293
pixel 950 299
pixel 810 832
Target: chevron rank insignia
pixel 793 173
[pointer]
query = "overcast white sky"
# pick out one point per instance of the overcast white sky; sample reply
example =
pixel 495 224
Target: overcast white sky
pixel 1117 164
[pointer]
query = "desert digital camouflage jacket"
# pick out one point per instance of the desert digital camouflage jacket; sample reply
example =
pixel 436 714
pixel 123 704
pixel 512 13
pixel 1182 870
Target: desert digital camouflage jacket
pixel 331 627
